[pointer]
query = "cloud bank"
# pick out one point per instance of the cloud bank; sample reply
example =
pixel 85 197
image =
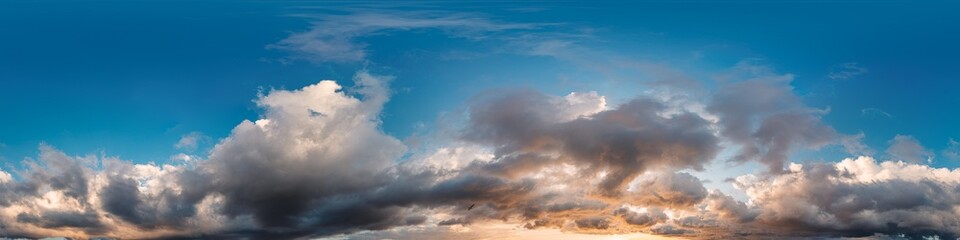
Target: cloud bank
pixel 316 165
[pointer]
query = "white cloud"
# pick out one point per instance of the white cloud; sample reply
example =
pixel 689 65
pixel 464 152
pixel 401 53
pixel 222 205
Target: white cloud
pixel 61 195
pixel 856 198
pixel 190 141
pixel 184 157
pixel 317 164
pixel 582 104
pixel 333 38
pixel 311 145
pixel 846 70
pixel 5 177
pixel 874 112
pixel 867 170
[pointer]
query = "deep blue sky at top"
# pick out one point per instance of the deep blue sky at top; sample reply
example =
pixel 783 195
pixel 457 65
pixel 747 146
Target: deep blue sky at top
pixel 129 78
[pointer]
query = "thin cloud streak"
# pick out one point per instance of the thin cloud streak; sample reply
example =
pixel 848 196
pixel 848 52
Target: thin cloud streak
pixel 334 38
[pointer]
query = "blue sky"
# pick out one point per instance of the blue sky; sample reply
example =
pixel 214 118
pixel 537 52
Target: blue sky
pixel 131 79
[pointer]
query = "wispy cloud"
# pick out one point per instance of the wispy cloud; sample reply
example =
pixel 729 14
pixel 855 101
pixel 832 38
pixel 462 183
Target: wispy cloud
pixel 907 148
pixel 846 71
pixel 952 151
pixel 334 37
pixel 190 141
pixel 760 112
pixel 874 112
pixel 854 145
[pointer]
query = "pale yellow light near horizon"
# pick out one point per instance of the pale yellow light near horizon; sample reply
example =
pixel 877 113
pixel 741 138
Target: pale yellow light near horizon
pixel 494 231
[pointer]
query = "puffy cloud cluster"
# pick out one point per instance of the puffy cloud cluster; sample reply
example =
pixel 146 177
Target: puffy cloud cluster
pixel 60 195
pixel 858 197
pixel 282 174
pixel 312 144
pixel 316 165
pixel 530 131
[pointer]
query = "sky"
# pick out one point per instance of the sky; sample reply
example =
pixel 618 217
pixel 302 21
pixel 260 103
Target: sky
pixel 479 120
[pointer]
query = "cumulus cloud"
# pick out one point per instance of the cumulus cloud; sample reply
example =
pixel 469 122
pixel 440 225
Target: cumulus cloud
pixel 5 177
pixel 858 197
pixel 275 175
pixel 311 145
pixel 621 143
pixel 316 164
pixel 61 195
pixel 907 148
pixel 765 117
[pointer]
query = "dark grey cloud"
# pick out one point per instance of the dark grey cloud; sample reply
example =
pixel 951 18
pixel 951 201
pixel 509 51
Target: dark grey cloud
pixel 167 206
pixel 89 221
pixel 766 118
pixel 648 218
pixel 316 164
pixel 668 190
pixel 593 223
pixel 293 161
pixel 53 171
pixel 623 142
pixel 858 198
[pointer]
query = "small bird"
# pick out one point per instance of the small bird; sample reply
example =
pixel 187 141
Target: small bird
pixel 471 206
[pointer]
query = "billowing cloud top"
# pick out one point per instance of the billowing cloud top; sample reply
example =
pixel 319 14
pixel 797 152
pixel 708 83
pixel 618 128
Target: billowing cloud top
pixel 316 165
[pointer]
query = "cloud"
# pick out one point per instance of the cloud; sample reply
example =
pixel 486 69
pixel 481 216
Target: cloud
pixel 907 148
pixel 184 157
pixel 486 230
pixel 334 38
pixel 266 176
pixel 190 141
pixel 846 71
pixel 622 142
pixel 765 118
pixel 857 198
pixel 952 151
pixel 5 177
pixel 854 145
pixel 55 193
pixel 312 145
pixel 316 164
pixel 874 112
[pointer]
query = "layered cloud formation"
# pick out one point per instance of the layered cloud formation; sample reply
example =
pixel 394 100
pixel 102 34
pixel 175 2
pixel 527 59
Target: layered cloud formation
pixel 316 164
